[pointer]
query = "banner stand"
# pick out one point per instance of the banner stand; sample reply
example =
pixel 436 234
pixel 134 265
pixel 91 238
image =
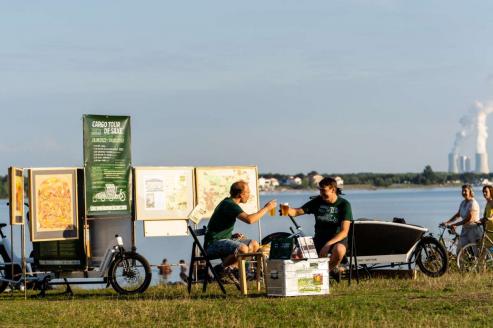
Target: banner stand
pixel 12 257
pixel 23 237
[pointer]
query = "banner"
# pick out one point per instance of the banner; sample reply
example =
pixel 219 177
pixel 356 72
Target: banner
pixel 107 165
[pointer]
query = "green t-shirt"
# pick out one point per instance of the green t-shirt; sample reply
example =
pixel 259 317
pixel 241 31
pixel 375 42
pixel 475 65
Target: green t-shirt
pixel 222 220
pixel 328 217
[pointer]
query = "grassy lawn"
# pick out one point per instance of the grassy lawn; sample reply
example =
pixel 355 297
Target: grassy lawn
pixel 450 301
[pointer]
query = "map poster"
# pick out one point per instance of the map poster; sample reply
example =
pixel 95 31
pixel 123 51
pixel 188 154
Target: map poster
pixel 53 213
pixel 107 165
pixel 164 193
pixel 16 195
pixel 213 184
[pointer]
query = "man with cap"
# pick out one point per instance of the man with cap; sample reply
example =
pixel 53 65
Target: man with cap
pixel 333 218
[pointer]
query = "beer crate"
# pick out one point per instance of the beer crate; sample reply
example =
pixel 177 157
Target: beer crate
pixel 297 278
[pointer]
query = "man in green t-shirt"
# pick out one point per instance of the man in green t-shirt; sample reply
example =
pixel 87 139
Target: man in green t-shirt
pixel 220 228
pixel 333 218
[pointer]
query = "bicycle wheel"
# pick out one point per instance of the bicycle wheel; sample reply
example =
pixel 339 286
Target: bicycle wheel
pixel 4 274
pixel 467 259
pixel 431 257
pixel 472 258
pixel 450 246
pixel 130 274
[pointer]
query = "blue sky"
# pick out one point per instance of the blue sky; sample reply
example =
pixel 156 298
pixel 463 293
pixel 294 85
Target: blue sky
pixel 290 86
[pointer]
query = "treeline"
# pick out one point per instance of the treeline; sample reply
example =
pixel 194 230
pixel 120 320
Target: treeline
pixel 426 177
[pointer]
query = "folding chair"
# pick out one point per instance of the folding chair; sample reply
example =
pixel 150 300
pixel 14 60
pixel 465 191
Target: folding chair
pixel 199 254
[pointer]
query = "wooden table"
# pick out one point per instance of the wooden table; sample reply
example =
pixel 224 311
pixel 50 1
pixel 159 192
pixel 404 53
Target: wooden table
pixel 259 258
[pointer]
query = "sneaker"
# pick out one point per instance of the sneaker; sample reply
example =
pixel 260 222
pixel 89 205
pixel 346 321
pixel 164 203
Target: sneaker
pixel 232 275
pixel 220 273
pixel 336 275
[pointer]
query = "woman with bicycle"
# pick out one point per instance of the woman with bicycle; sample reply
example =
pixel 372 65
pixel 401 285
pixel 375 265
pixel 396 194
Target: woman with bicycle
pixel 469 213
pixel 488 210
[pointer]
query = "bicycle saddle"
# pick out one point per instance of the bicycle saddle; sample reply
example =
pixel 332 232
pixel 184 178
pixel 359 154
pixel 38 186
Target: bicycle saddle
pixel 3 225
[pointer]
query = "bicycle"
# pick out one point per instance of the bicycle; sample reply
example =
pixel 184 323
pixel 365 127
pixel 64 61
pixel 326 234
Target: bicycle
pixel 450 244
pixel 477 257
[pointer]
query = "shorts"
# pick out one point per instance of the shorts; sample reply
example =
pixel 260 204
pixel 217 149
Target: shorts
pixel 319 243
pixel 225 247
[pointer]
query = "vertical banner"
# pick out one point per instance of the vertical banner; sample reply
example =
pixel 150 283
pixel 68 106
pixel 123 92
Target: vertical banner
pixel 107 165
pixel 16 195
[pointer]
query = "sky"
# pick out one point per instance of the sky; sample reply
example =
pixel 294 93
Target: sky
pixel 290 86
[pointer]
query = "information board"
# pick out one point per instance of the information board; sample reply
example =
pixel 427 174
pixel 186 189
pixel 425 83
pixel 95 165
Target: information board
pixel 164 193
pixel 107 165
pixel 213 184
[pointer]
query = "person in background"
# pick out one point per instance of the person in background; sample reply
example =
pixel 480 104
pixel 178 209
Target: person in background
pixel 469 213
pixel 164 271
pixel 333 216
pixel 488 213
pixel 183 271
pixel 218 239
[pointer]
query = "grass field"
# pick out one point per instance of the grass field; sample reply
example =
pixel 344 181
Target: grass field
pixel 450 301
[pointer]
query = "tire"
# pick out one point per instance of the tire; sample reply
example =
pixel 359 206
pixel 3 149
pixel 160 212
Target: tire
pixel 276 235
pixel 431 257
pixel 130 274
pixel 4 274
pixel 472 258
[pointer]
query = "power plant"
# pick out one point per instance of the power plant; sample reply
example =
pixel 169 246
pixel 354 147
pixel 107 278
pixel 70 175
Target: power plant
pixel 474 123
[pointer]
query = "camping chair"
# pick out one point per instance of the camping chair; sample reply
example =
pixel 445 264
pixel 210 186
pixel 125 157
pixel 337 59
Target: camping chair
pixel 199 254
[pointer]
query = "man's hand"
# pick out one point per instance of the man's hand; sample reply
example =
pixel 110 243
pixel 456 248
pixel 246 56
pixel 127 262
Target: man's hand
pixel 271 205
pixel 325 250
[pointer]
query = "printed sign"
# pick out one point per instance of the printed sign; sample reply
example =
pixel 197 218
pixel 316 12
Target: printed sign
pixel 16 195
pixel 164 193
pixel 214 183
pixel 107 165
pixel 53 204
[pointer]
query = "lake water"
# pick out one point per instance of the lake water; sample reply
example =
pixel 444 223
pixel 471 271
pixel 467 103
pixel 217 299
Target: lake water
pixel 424 207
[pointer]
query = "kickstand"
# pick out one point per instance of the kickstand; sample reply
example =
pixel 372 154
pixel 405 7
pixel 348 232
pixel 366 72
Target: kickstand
pixel 68 291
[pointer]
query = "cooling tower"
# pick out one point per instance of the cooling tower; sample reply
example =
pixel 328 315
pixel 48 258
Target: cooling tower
pixel 468 167
pixel 462 163
pixel 452 163
pixel 482 163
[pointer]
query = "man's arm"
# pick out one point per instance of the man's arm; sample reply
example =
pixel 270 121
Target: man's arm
pixel 295 212
pixel 252 218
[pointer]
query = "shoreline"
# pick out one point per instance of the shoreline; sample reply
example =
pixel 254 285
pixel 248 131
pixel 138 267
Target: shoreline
pixel 369 187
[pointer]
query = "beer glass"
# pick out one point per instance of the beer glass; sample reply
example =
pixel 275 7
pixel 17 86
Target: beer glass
pixel 284 209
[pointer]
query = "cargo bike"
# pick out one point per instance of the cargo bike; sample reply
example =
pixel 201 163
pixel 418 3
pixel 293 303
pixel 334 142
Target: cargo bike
pixel 127 272
pixel 377 244
pixel 102 252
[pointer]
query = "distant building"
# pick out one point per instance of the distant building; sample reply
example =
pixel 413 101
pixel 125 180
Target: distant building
pixel 315 179
pixel 267 184
pixel 294 181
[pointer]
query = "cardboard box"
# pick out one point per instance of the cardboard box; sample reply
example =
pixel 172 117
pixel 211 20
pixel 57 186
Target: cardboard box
pixel 297 278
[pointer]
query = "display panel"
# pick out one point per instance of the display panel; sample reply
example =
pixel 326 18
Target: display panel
pixel 213 184
pixel 16 195
pixel 53 204
pixel 164 193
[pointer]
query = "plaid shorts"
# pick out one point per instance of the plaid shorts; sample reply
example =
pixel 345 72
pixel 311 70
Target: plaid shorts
pixel 224 247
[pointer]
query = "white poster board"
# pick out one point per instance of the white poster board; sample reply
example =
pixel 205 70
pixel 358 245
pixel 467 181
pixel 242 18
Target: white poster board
pixel 165 228
pixel 213 184
pixel 164 193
